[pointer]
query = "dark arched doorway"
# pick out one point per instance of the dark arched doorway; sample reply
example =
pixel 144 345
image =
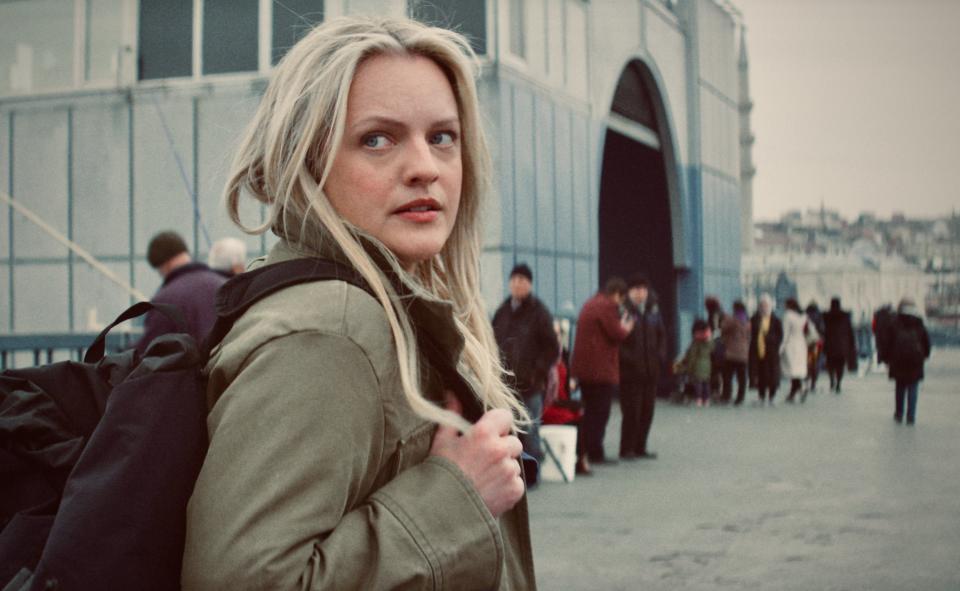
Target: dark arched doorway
pixel 635 217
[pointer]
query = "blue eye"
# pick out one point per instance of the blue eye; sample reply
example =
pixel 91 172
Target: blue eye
pixel 375 140
pixel 444 138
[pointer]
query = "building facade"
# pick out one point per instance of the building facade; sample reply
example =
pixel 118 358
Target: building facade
pixel 616 126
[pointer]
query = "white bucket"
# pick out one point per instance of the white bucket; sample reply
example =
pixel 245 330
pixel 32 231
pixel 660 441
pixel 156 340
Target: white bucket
pixel 561 440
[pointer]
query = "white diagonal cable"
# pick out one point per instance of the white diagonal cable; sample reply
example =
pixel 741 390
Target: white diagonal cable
pixel 73 246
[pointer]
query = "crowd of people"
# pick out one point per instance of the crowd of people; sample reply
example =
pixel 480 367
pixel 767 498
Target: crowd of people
pixel 620 353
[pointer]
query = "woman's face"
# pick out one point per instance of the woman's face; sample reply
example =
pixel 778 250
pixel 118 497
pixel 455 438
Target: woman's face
pixel 398 171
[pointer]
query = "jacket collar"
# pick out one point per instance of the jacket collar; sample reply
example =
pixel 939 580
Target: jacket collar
pixel 183 270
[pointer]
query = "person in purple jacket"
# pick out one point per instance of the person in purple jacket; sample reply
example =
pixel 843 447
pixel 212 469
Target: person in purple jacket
pixel 190 286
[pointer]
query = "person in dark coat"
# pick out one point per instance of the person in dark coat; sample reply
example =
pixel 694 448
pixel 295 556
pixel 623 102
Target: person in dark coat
pixel 815 348
pixel 735 337
pixel 766 334
pixel 596 364
pixel 523 327
pixel 642 355
pixel 839 344
pixel 907 346
pixel 190 286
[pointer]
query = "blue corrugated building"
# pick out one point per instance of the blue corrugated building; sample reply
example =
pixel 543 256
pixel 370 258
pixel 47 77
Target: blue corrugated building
pixel 620 131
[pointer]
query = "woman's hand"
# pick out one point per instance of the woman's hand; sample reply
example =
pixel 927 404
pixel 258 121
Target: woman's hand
pixel 487 454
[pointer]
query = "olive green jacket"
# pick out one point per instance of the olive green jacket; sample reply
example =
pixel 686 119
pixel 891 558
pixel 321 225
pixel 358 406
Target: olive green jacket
pixel 318 474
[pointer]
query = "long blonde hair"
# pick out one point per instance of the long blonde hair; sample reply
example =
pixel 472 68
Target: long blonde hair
pixel 285 158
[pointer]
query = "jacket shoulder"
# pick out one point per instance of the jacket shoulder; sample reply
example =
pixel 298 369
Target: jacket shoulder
pixel 333 308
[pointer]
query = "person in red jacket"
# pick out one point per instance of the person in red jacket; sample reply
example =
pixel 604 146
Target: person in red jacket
pixel 596 364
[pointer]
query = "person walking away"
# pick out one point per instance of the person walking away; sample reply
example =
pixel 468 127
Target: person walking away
pixel 362 437
pixel 794 348
pixel 188 285
pixel 838 343
pixel 735 336
pixel 596 363
pixel 696 362
pixel 814 348
pixel 641 356
pixel 766 334
pixel 228 256
pixel 523 327
pixel 907 347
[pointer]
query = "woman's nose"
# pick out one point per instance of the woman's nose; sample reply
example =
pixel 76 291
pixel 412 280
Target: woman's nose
pixel 420 163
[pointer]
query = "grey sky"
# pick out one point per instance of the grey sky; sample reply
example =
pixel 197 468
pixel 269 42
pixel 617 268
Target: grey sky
pixel 857 103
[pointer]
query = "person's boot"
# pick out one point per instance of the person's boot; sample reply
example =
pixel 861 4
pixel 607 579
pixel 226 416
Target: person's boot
pixel 583 466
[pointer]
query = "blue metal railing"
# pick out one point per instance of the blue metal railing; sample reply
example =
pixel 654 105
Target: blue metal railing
pixel 44 346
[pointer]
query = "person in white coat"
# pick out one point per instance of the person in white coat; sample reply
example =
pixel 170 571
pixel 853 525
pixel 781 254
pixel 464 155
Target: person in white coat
pixel 793 351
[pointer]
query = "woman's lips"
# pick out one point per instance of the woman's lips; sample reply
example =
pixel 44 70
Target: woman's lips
pixel 420 217
pixel 421 211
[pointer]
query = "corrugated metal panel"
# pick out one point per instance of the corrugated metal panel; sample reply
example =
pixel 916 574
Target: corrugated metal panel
pixel 100 188
pixel 40 293
pixel 162 196
pixel 40 179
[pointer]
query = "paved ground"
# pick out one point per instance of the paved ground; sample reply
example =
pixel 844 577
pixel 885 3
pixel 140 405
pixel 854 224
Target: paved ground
pixel 829 495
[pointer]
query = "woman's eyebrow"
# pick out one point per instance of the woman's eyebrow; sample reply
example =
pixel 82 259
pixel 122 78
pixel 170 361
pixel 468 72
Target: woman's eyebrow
pixel 376 120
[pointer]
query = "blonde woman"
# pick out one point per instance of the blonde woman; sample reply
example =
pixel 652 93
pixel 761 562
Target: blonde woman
pixel 340 456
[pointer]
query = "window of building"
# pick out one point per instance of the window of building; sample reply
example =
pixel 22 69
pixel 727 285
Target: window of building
pixel 468 17
pixel 292 19
pixel 518 28
pixel 106 40
pixel 36 45
pixel 230 36
pixel 165 39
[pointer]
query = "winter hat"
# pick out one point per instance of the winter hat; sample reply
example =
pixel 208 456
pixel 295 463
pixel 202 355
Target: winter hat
pixel 522 269
pixel 163 247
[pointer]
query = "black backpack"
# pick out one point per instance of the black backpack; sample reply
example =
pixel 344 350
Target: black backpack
pixel 98 458
pixel 907 347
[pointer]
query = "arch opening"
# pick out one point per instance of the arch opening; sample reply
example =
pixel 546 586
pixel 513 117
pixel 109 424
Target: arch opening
pixel 636 232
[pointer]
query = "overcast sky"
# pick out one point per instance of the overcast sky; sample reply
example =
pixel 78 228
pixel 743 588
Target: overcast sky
pixel 856 103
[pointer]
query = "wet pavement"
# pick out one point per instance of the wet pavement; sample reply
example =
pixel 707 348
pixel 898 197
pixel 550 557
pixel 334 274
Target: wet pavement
pixel 828 495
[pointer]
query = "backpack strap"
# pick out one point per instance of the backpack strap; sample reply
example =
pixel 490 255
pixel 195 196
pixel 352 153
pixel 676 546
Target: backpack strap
pixel 97 348
pixel 242 291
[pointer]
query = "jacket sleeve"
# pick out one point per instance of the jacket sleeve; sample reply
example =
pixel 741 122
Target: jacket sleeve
pixel 287 497
pixel 548 345
pixel 610 324
pixel 661 340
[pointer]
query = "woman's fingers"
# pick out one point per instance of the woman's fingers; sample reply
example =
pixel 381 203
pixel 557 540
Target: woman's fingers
pixel 487 455
pixel 514 446
pixel 498 422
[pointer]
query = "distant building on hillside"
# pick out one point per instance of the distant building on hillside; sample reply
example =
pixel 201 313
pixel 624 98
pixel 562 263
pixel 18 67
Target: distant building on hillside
pixel 863 277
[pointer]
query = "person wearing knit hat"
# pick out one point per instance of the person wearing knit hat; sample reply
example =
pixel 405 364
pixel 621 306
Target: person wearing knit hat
pixel 523 328
pixel 907 346
pixel 523 270
pixel 642 355
pixel 190 286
